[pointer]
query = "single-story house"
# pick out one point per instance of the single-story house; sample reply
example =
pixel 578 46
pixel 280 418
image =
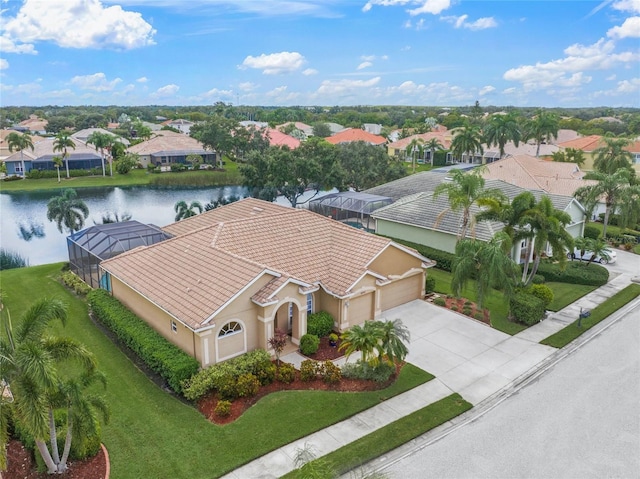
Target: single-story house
pixel 35 125
pixel 4 145
pixel 83 135
pixel 351 135
pixel 167 147
pixel 233 275
pixel 399 148
pixel 277 138
pixel 589 144
pixel 305 130
pixel 180 124
pixel 83 157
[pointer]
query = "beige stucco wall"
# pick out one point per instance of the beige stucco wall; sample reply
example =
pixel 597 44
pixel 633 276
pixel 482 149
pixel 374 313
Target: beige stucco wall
pixel 394 261
pixel 433 239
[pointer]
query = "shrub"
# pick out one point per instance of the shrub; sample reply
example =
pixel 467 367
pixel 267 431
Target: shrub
pixel 247 385
pixel 254 362
pixel 331 373
pixel 74 282
pixel 286 373
pixel 526 308
pixel 466 310
pixel 320 324
pixel 227 386
pixel 591 232
pixel 170 362
pixel 265 371
pixel 468 303
pixel 543 292
pixel 309 344
pixel 575 273
pixel 308 370
pixel 430 284
pixel 11 259
pixel 479 316
pixel 454 308
pixel 359 370
pixel 223 408
pixel 440 302
pixel 538 279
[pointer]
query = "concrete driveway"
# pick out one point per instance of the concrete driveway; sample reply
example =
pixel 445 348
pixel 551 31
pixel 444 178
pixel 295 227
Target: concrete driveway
pixel 465 355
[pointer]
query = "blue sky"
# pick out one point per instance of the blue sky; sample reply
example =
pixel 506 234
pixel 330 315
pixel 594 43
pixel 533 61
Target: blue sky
pixel 320 52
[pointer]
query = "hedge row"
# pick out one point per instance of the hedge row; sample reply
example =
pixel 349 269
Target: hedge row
pixel 162 357
pixel 527 308
pixel 575 273
pixel 443 259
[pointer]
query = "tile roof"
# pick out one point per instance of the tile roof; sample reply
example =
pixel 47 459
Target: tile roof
pixel 43 150
pixel 355 134
pixel 222 251
pixel 584 143
pixel 444 137
pixel 166 140
pixel 277 138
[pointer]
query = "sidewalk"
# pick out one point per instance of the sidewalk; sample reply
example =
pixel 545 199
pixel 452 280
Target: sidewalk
pixel 467 357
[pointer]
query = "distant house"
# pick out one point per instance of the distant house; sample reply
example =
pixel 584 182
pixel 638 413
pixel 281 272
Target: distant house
pixel 167 147
pixel 83 157
pixel 351 135
pixel 181 125
pixel 304 129
pixel 35 125
pixel 4 145
pixel 233 275
pixel 83 135
pixel 398 148
pixel 589 144
pixel 277 138
pixel 373 128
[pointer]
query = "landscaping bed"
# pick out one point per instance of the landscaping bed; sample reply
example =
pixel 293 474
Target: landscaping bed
pixel 462 306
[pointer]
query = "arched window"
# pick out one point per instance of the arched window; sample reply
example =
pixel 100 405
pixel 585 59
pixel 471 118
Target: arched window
pixel 230 328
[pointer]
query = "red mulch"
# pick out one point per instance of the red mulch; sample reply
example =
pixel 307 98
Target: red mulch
pixel 459 303
pixel 21 465
pixel 207 404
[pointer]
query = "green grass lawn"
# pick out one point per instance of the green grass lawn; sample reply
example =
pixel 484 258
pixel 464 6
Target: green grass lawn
pixel 564 294
pixel 495 302
pixel 600 312
pixel 611 229
pixel 419 167
pixel 154 435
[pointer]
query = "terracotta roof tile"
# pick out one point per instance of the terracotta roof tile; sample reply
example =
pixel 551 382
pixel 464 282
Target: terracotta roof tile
pixel 355 134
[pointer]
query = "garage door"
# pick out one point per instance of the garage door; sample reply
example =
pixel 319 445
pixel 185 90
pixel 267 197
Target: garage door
pixel 400 292
pixel 360 309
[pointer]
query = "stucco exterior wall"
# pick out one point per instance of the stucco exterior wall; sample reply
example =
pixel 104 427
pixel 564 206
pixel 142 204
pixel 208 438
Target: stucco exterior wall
pixel 394 261
pixel 433 239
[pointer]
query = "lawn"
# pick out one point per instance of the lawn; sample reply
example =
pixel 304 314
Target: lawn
pixel 154 435
pixel 564 294
pixel 495 301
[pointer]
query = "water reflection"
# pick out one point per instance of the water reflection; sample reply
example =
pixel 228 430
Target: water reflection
pixel 31 230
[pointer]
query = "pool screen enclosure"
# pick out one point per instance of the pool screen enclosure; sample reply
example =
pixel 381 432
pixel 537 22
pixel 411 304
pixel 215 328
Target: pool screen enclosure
pixel 351 207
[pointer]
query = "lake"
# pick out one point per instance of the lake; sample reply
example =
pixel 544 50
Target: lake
pixel 24 228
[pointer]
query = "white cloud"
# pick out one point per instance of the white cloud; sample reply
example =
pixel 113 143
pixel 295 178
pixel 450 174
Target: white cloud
pixel 4 64
pixel 629 86
pixel 95 82
pixel 214 92
pixel 275 63
pixel 509 91
pixel 79 24
pixel 433 7
pixel 364 65
pixel 629 29
pixel 309 71
pixel 330 87
pixel 479 24
pixel 611 77
pixel 142 80
pixel 627 6
pixel 486 89
pixel 247 86
pixel 166 91
pixel 7 45
pixel 280 95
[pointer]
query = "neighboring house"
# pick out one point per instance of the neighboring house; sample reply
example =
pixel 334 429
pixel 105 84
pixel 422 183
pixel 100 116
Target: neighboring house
pixel 256 124
pixel 351 135
pixel 399 148
pixel 334 127
pixel 4 146
pixel 167 147
pixel 373 128
pixel 277 138
pixel 418 217
pixel 181 125
pixel 305 129
pixel 83 135
pixel 35 125
pixel 83 157
pixel 233 275
pixel 589 144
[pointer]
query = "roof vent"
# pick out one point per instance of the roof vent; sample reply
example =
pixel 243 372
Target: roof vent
pixel 257 209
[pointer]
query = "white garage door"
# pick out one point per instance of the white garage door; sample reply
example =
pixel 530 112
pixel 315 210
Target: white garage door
pixel 400 292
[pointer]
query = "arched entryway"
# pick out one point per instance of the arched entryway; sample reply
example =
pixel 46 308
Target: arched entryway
pixel 287 319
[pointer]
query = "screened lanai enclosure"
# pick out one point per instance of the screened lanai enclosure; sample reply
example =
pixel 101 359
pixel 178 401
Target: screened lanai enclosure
pixel 89 247
pixel 351 207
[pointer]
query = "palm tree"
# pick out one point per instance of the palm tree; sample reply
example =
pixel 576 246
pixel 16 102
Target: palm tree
pixel 610 186
pixel 19 142
pixel 547 226
pixel 30 362
pixel 186 211
pixel 570 155
pixel 68 210
pixel 392 338
pixel 463 191
pixel 502 129
pixel 612 156
pixel 541 128
pixel 415 148
pixel 598 247
pixel 57 162
pixel 363 338
pixel 61 143
pixel 467 140
pixel 432 145
pixel 101 141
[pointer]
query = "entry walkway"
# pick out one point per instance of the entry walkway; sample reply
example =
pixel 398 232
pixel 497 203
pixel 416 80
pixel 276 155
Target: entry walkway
pixel 465 355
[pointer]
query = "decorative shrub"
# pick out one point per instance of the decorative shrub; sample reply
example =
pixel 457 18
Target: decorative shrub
pixel 227 386
pixel 466 310
pixel 247 385
pixel 74 282
pixel 223 408
pixel 319 324
pixel 526 308
pixel 265 371
pixel 454 308
pixel 575 273
pixel 538 279
pixel 430 284
pixel 309 344
pixel 286 373
pixel 543 292
pixel 479 316
pixel 440 302
pixel 333 338
pixel 468 303
pixel 170 362
pixel 331 373
pixel 591 232
pixel 308 370
pixel 359 370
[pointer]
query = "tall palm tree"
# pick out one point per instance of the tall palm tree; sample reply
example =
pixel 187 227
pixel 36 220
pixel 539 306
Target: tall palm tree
pixel 392 338
pixel 502 129
pixel 612 156
pixel 414 148
pixel 57 162
pixel 467 139
pixel 541 128
pixel 463 191
pixel 547 226
pixel 610 187
pixel 61 143
pixel 432 145
pixel 31 361
pixel 101 141
pixel 67 210
pixel 184 210
pixel 19 142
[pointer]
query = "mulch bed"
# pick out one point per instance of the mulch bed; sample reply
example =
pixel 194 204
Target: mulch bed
pixel 22 465
pixel 460 304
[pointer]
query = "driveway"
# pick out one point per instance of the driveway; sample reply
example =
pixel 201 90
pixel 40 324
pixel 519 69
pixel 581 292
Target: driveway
pixel 465 355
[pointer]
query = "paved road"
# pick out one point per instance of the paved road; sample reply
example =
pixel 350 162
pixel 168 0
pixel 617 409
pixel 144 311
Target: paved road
pixel 581 419
pixel 626 262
